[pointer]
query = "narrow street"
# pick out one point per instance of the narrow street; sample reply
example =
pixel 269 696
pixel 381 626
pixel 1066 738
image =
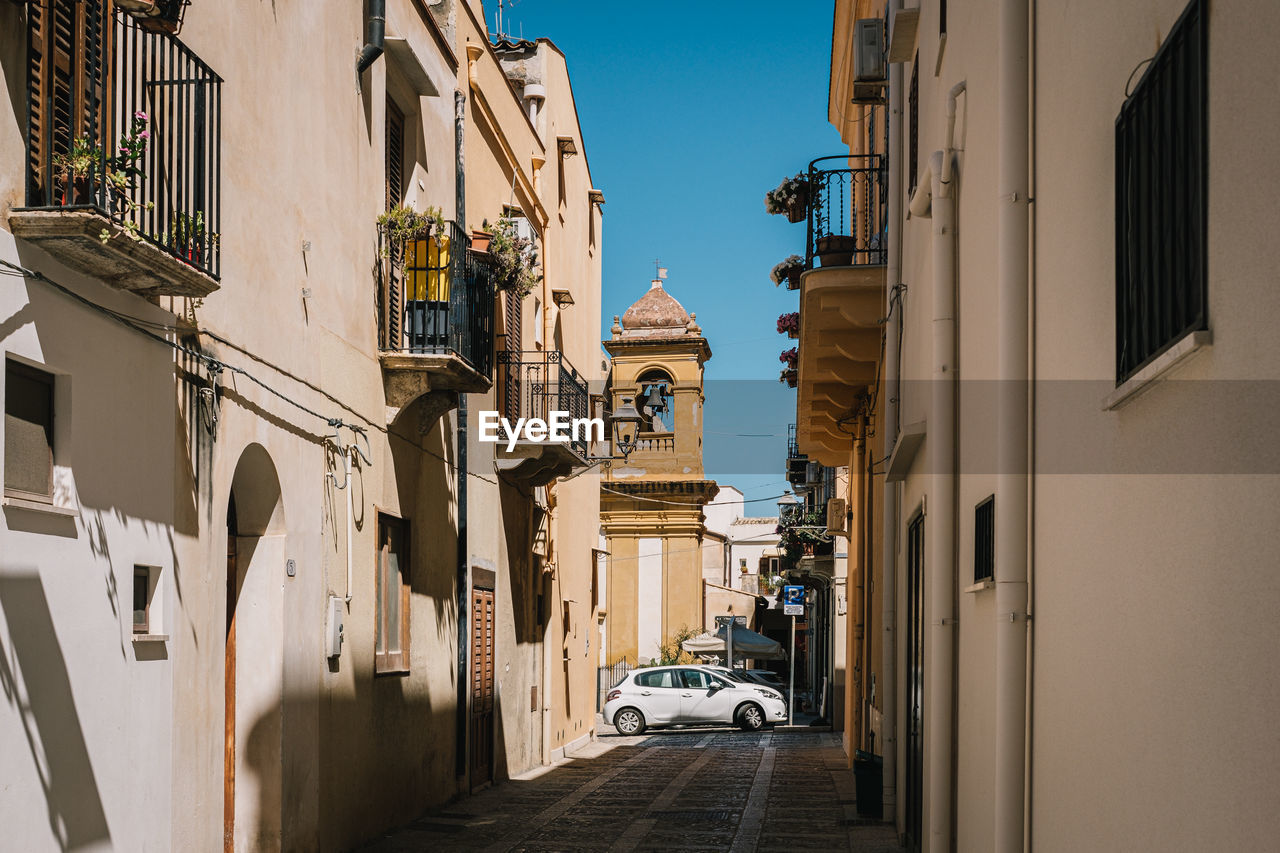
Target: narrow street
pixel 693 789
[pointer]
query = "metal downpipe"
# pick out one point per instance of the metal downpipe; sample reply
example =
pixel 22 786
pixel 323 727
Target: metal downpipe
pixel 375 30
pixel 940 582
pixel 889 581
pixel 1012 487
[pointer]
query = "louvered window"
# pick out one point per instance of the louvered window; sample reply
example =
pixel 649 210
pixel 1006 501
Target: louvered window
pixel 393 294
pixel 1161 189
pixel 69 63
pixel 984 540
pixel 511 379
pixel 913 125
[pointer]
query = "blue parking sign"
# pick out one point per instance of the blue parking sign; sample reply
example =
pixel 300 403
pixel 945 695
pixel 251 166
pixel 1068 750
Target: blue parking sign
pixel 793 601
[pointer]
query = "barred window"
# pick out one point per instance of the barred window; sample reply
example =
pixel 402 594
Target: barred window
pixel 984 540
pixel 1161 191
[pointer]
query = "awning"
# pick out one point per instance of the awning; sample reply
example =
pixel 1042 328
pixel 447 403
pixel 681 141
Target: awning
pixel 746 643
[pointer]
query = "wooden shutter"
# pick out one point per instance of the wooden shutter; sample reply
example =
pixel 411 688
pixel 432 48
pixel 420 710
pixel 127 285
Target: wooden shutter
pixel 69 66
pixel 393 301
pixel 513 324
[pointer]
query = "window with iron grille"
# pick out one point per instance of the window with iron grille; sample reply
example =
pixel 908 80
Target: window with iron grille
pixel 1161 191
pixel 984 540
pixel 913 124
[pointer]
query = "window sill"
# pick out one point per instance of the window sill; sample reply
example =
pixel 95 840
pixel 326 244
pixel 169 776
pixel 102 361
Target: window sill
pixel 151 638
pixel 980 586
pixel 1146 378
pixel 39 506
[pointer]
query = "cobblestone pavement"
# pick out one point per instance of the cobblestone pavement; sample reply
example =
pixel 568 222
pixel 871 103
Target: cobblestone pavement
pixel 687 790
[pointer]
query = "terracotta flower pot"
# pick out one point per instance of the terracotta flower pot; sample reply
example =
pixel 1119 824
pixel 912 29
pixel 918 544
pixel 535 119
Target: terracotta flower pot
pixel 836 250
pixel 798 210
pixel 480 241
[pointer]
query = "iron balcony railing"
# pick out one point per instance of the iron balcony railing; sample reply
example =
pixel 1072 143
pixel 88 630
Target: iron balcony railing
pixel 535 384
pixel 848 211
pixel 126 122
pixel 797 462
pixel 437 297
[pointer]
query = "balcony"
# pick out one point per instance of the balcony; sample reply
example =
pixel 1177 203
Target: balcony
pixel 123 151
pixel 435 321
pixel 842 298
pixel 533 385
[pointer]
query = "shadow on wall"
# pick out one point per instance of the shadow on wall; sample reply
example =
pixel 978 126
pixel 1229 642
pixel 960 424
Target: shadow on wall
pixel 34 676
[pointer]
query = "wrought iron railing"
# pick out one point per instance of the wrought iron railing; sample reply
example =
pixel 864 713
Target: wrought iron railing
pixel 540 383
pixel 797 462
pixel 127 122
pixel 437 297
pixel 848 207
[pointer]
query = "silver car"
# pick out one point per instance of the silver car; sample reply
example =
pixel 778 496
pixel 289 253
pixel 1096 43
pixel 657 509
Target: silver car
pixel 689 695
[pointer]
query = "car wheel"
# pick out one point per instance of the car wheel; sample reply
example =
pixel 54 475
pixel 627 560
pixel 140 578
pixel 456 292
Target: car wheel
pixel 629 721
pixel 751 718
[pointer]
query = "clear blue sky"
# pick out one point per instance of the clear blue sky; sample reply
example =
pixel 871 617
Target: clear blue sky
pixel 690 112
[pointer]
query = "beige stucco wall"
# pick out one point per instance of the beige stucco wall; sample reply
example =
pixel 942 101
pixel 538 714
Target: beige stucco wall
pixel 302 162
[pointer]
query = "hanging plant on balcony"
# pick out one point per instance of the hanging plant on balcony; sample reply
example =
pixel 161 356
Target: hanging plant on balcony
pixel 401 225
pixel 790 197
pixel 789 324
pixel 189 237
pixel 514 258
pixel 788 270
pixel 789 357
pixel 790 376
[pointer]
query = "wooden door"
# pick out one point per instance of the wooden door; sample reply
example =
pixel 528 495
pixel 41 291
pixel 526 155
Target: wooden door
pixel 915 684
pixel 229 670
pixel 482 671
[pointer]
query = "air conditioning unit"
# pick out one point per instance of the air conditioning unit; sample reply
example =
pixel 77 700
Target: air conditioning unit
pixel 869 70
pixel 813 474
pixel 797 470
pixel 837 515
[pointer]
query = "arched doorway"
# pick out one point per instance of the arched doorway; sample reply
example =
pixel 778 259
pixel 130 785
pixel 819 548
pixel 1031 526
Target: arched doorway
pixel 251 815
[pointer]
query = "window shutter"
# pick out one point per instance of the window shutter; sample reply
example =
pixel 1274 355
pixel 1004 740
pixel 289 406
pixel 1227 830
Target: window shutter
pixel 514 322
pixel 394 304
pixel 69 64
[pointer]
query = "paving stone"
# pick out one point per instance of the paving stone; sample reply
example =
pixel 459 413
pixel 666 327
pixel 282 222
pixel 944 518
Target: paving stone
pixel 684 790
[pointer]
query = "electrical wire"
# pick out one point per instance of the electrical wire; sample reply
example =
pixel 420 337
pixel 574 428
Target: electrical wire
pixel 214 365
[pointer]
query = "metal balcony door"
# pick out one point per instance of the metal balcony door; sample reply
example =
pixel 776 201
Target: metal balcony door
pixel 482 669
pixel 914 806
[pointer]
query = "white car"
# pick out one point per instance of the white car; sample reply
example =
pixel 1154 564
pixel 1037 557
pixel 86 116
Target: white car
pixel 689 695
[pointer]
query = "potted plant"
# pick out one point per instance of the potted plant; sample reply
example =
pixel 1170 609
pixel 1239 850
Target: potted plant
pixel 790 376
pixel 790 197
pixel 514 258
pixel 789 324
pixel 835 250
pixel 788 270
pixel 401 225
pixel 188 236
pixel 789 357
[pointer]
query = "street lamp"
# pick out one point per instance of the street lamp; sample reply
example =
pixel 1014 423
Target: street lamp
pixel 626 426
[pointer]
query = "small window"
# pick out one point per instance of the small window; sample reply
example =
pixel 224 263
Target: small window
pixel 391 648
pixel 141 600
pixel 984 540
pixel 28 432
pixel 1161 192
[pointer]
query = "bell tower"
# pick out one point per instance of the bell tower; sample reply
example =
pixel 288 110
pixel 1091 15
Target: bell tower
pixel 651 504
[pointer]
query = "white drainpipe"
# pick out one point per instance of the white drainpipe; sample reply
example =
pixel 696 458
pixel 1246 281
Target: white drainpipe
pixel 889 582
pixel 938 202
pixel 1011 430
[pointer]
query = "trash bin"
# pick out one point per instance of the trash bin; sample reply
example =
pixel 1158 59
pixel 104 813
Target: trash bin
pixel 868 777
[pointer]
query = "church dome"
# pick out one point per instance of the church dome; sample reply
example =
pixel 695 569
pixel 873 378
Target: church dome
pixel 656 314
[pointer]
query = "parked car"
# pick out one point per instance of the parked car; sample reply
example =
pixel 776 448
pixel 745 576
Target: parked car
pixel 761 677
pixel 689 695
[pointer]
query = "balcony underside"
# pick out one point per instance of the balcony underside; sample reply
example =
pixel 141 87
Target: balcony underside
pixel 818 568
pixel 74 237
pixel 408 376
pixel 537 463
pixel 840 336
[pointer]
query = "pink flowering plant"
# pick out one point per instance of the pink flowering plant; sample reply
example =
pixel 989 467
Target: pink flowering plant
pixel 789 324
pixel 789 357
